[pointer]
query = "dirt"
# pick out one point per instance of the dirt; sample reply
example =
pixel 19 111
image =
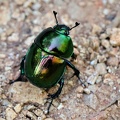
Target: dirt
pixel 97 47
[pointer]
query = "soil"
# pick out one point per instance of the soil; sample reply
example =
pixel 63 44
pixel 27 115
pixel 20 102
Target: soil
pixel 97 47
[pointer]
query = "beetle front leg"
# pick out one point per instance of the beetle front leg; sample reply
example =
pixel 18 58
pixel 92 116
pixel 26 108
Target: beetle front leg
pixel 51 97
pixel 76 71
pixel 21 77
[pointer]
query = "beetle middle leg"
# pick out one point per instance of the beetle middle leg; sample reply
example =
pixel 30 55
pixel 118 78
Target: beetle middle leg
pixel 51 97
pixel 21 77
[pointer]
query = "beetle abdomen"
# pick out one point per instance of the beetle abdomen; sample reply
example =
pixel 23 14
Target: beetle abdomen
pixel 43 71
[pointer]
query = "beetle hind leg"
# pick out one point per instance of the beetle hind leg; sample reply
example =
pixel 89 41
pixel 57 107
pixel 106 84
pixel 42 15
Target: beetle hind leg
pixel 21 77
pixel 51 97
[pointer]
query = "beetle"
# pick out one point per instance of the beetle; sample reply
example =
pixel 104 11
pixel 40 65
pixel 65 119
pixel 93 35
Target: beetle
pixel 45 62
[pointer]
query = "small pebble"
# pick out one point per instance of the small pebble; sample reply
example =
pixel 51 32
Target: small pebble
pixel 10 114
pixel 18 108
pixel 79 89
pixel 101 68
pixel 113 61
pixel 105 43
pixel 115 38
pixel 60 106
pixel 106 11
pixel 92 79
pixel 87 91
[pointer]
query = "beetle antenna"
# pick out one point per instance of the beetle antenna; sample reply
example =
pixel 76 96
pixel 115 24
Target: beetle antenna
pixel 76 24
pixel 55 13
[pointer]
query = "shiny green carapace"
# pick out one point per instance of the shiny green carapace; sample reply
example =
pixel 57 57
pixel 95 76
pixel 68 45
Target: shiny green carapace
pixel 46 60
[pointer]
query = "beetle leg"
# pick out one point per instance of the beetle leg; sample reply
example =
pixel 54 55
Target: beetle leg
pixel 21 77
pixel 76 71
pixel 55 95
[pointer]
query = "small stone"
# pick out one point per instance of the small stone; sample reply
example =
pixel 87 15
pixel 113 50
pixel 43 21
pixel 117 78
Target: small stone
pixel 111 1
pixel 91 100
pixel 99 79
pixel 79 89
pixel 31 115
pixel 36 6
pixel 106 11
pixel 96 29
pixel 13 38
pixel 2 118
pixel 94 43
pixel 4 15
pixel 113 61
pixel 6 103
pixel 105 43
pixel 115 38
pixel 10 114
pixel 19 2
pixel 76 52
pixel 101 68
pixel 119 103
pixel 18 108
pixel 2 55
pixel 92 88
pixel 93 62
pixel 29 40
pixel 109 79
pixel 40 113
pixel 92 79
pixel 87 91
pixel 60 106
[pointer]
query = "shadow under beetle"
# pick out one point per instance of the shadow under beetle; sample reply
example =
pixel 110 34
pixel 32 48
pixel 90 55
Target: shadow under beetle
pixel 45 62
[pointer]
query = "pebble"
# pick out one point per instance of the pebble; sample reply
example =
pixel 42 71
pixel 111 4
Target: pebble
pixel 101 68
pixel 29 40
pixel 13 38
pixel 6 103
pixel 19 2
pixel 10 114
pixel 113 61
pixel 93 62
pixel 2 55
pixel 94 43
pixel 115 38
pixel 92 79
pixel 79 89
pixel 31 115
pixel 4 15
pixel 99 79
pixel 60 106
pixel 105 43
pixel 106 11
pixel 91 100
pixel 87 91
pixel 36 6
pixel 18 108
pixel 96 29
pixel 2 118
pixel 40 113
pixel 109 79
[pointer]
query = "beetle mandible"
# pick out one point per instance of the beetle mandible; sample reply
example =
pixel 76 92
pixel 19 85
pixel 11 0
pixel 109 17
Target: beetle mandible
pixel 46 60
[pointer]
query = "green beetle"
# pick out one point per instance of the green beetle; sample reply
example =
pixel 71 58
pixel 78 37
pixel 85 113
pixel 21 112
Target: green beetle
pixel 46 60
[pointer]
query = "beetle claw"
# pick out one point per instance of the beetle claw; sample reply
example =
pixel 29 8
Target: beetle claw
pixel 48 100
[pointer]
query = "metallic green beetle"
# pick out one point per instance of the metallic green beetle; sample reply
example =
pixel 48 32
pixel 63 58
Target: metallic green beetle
pixel 46 60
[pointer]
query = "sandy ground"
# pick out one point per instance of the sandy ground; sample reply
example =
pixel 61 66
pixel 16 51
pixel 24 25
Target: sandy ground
pixel 96 45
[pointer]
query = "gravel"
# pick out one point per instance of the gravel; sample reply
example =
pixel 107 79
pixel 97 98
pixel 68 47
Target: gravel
pixel 97 47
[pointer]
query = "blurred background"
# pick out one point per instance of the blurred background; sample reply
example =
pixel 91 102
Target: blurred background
pixel 97 47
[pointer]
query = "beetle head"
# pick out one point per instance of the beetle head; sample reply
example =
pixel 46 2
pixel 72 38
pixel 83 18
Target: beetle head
pixel 63 29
